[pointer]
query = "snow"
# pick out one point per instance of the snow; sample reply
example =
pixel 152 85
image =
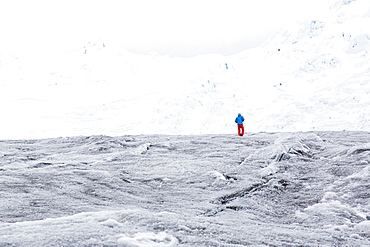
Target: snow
pixel 314 75
pixel 148 240
pixel 104 147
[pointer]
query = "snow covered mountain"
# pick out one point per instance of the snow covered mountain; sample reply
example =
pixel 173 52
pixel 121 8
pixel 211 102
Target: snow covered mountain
pixel 312 76
pixel 323 70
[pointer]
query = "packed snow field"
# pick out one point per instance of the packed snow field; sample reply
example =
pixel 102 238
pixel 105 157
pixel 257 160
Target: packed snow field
pixel 265 189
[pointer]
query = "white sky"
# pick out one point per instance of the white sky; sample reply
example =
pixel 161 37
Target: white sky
pixel 174 27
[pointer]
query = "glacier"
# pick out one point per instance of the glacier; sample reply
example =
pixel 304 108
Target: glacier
pixel 263 189
pixel 103 147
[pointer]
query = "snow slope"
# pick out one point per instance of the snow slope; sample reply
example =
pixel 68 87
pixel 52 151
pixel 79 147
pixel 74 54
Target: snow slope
pixel 312 76
pixel 323 67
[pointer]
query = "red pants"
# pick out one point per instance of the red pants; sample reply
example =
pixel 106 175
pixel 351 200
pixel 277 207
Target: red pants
pixel 240 130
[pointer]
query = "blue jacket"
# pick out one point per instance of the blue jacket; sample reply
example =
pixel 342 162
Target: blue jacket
pixel 239 120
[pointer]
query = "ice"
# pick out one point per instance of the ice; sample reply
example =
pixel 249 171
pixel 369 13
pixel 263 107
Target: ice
pixel 363 227
pixel 269 170
pixel 186 190
pixel 148 240
pixel 70 230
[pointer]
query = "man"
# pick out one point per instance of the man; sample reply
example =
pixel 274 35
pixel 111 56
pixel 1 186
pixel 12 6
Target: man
pixel 239 120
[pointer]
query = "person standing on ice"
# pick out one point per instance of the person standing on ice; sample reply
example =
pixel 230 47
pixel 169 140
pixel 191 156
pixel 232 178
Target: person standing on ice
pixel 239 121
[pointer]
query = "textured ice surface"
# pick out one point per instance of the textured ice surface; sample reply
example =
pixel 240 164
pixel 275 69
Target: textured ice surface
pixel 265 189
